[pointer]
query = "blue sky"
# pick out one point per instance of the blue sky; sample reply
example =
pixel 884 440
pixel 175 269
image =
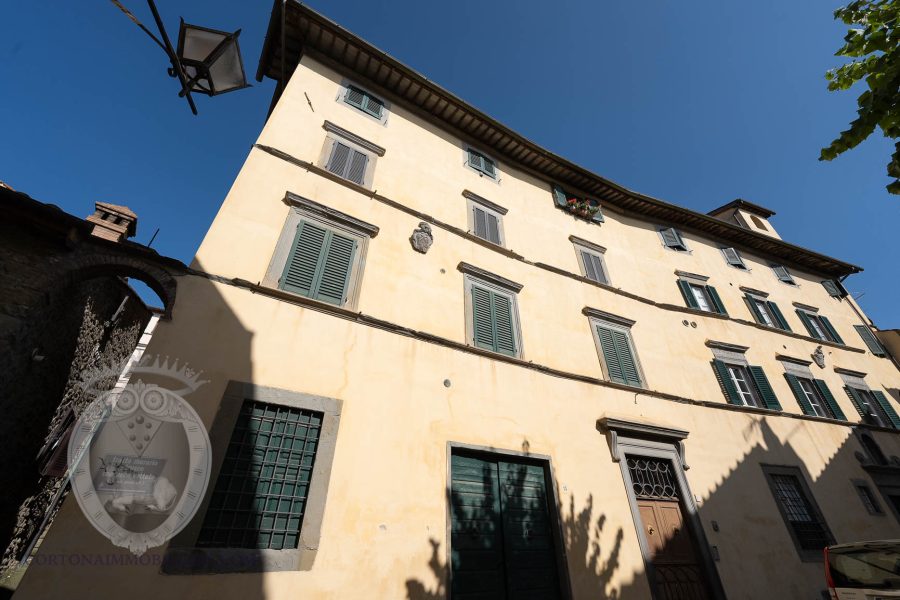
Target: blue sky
pixel 696 103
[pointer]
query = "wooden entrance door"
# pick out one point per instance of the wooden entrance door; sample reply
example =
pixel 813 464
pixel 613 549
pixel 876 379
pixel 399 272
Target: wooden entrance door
pixel 677 572
pixel 501 541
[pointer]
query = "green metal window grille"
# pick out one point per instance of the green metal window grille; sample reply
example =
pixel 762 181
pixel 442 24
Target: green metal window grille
pixel 260 495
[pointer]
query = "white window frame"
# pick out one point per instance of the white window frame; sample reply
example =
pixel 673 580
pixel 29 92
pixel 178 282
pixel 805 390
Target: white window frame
pixel 875 409
pixel 473 201
pixel 336 134
pixel 704 302
pixel 307 210
pixel 599 252
pixel 610 321
pixel 748 382
pixel 816 402
pixel 500 285
pixel 762 305
pixel 341 98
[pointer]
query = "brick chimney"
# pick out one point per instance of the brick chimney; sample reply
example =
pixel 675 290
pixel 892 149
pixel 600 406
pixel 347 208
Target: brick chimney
pixel 113 222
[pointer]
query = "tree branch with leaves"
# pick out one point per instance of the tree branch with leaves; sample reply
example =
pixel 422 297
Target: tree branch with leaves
pixel 873 44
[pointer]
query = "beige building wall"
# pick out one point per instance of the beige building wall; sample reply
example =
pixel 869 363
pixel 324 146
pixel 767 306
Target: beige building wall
pixel 385 520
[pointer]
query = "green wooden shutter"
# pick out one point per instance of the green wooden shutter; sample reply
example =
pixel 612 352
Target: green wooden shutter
pixel 483 318
pixel 716 300
pixel 598 216
pixel 887 408
pixel 857 402
pixel 829 400
pixel 689 298
pixel 305 260
pixel 356 170
pixel 355 97
pixel 339 159
pixel 488 168
pixel 869 338
pixel 504 324
pixel 779 318
pixel 476 530
pixel 834 288
pixel 626 358
pixel 765 389
pixel 335 271
pixel 559 196
pixel 374 106
pixel 799 394
pixel 751 302
pixel 476 161
pixel 672 238
pixel 804 318
pixel 610 355
pixel 783 274
pixel 731 393
pixel 732 257
pixel 831 332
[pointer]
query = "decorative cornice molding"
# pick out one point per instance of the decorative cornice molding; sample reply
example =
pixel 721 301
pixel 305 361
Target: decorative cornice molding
pixel 605 316
pixel 307 205
pixel 726 346
pixel 489 277
pixel 850 372
pixel 689 275
pixel 583 242
pixel 352 137
pixel 806 307
pixel 485 202
pixel 791 359
pixel 753 291
pixel 642 431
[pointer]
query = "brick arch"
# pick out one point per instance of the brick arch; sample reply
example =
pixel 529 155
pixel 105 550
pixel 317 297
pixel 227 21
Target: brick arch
pixel 152 271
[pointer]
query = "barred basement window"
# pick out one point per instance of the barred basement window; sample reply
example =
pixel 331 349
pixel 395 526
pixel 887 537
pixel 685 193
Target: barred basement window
pixel 800 512
pixel 262 488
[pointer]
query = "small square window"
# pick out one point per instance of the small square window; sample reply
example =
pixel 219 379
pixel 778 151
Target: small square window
pixel 481 163
pixel 672 239
pixel 592 263
pixel 783 274
pixel 733 258
pixel 364 101
pixel 349 156
pixel 485 219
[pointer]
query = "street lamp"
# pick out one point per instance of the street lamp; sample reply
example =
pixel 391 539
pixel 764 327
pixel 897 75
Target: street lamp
pixel 207 61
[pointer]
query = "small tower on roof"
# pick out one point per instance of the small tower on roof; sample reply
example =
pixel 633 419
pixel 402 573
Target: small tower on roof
pixel 113 222
pixel 748 215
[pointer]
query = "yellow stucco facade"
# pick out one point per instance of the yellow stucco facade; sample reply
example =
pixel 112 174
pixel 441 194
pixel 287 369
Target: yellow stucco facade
pixel 410 383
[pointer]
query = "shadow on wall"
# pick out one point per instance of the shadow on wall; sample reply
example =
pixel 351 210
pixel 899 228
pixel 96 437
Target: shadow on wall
pixel 504 539
pixel 501 543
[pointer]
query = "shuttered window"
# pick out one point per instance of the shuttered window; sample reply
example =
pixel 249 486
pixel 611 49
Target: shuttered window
pixel 486 224
pixel 482 163
pixel 618 354
pixel 260 495
pixel 501 537
pixel 593 265
pixel 818 326
pixel 766 313
pixel 834 288
pixel 319 263
pixel 870 340
pixel 348 162
pixel 783 274
pixel 702 297
pixel 733 258
pixel 364 101
pixel 494 320
pixel 814 397
pixel 745 385
pixel 671 238
pixel 873 407
pixel 569 201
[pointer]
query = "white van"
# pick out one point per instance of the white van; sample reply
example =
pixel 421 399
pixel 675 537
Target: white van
pixel 863 570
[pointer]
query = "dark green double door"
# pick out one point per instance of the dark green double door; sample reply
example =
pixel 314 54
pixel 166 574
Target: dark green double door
pixel 502 544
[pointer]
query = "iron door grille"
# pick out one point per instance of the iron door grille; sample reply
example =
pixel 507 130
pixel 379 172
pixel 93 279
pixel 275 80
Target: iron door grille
pixel 652 479
pixel 262 488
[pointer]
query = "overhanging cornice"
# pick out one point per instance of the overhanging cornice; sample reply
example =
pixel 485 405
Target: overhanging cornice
pixel 307 32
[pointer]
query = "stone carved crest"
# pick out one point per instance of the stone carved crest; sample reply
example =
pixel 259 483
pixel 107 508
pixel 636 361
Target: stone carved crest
pixel 819 357
pixel 421 238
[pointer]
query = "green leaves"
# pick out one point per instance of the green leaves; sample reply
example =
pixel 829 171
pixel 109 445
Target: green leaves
pixel 874 45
